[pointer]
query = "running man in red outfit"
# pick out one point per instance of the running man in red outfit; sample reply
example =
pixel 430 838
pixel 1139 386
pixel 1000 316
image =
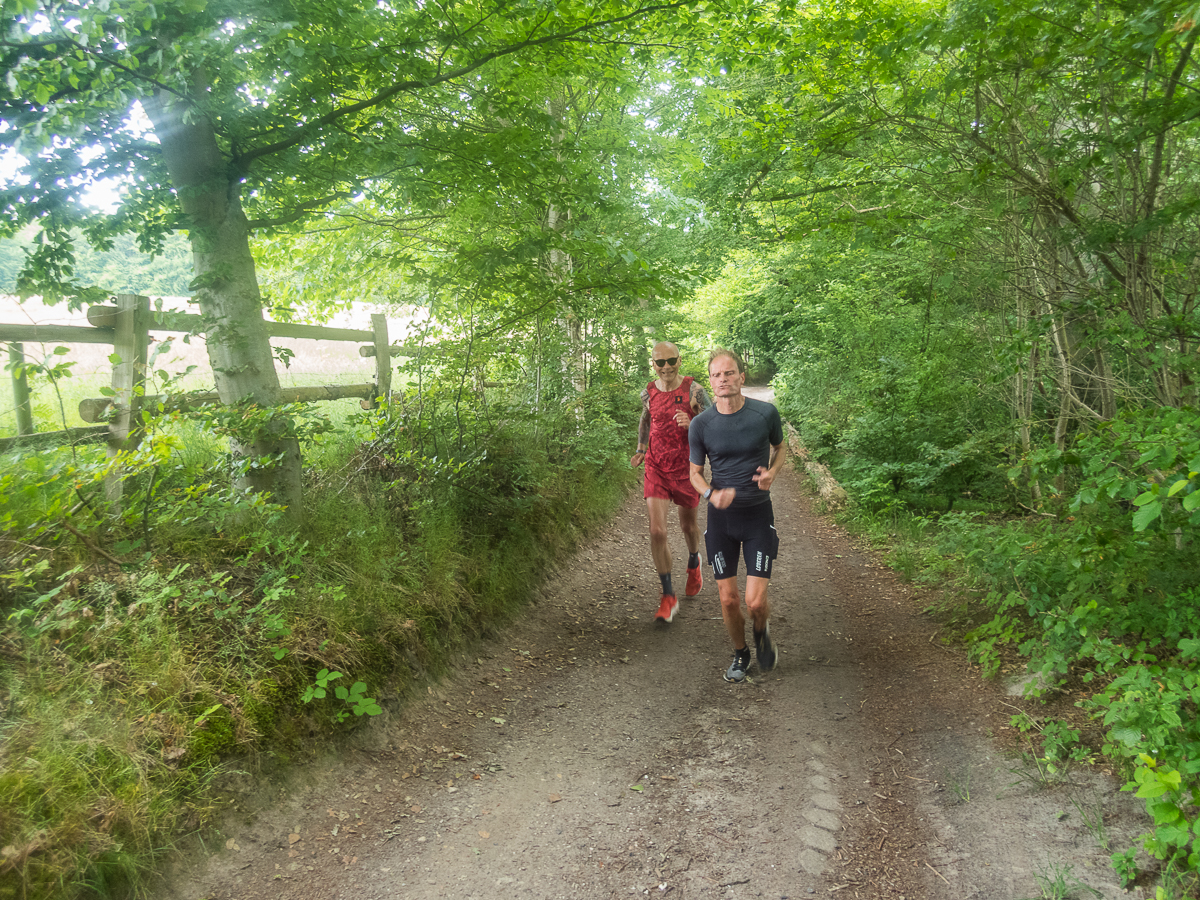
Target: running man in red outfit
pixel 669 403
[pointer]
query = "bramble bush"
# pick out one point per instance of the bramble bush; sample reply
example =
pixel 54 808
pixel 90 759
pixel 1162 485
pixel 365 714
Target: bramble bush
pixel 900 434
pixel 1109 590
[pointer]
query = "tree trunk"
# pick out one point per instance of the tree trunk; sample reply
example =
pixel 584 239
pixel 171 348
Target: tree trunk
pixel 559 263
pixel 832 494
pixel 227 291
pixel 1023 381
pixel 561 267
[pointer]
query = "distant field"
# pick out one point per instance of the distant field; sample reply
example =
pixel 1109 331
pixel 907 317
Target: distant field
pixel 315 362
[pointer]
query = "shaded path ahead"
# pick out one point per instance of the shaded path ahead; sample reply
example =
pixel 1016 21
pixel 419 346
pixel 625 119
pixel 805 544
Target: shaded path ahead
pixel 588 753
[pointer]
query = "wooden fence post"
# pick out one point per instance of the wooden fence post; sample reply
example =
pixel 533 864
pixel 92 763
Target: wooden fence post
pixel 383 359
pixel 131 342
pixel 16 356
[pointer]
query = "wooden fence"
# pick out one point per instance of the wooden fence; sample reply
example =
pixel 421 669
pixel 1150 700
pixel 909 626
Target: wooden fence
pixel 127 327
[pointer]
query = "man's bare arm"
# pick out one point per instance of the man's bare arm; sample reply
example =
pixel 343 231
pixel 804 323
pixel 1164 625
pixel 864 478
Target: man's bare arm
pixel 643 444
pixel 720 497
pixel 644 422
pixel 699 398
pixel 766 476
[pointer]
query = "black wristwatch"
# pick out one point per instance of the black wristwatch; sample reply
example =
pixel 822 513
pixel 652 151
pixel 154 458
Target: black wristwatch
pixel 706 494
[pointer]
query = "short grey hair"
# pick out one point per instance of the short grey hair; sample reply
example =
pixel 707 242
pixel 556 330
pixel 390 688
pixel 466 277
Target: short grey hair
pixel 718 352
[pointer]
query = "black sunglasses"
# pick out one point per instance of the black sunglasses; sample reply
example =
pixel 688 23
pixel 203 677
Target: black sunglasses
pixel 666 362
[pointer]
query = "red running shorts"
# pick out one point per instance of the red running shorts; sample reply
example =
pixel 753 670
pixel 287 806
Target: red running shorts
pixel 678 490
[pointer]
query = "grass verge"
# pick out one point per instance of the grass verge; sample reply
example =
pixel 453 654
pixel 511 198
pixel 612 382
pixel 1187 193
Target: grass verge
pixel 139 657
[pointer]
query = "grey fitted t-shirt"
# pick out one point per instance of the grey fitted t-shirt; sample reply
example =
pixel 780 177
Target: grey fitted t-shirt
pixel 736 445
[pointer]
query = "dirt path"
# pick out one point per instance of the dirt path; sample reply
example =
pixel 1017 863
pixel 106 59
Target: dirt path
pixel 588 753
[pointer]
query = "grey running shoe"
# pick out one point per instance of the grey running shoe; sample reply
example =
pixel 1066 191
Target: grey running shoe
pixel 737 669
pixel 764 649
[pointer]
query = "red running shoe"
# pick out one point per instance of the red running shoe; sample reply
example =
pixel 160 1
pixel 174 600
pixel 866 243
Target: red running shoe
pixel 667 608
pixel 695 581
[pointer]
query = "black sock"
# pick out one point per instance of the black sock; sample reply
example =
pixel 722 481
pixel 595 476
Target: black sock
pixel 666 583
pixel 693 560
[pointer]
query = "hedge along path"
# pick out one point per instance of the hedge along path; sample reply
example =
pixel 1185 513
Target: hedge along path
pixel 588 753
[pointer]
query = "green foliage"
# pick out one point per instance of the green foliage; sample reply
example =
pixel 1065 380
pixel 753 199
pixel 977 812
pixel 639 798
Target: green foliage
pixel 928 216
pixel 226 632
pixel 316 690
pixel 278 97
pixel 1057 883
pixel 892 398
pixel 124 269
pixel 1101 594
pixel 1172 807
pixel 354 697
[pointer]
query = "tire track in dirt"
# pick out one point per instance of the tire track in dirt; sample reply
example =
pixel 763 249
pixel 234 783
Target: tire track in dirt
pixel 587 753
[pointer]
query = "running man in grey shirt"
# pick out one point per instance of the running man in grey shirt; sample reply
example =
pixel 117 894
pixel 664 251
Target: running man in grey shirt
pixel 742 439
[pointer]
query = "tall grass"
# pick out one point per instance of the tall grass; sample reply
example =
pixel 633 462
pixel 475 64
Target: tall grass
pixel 139 655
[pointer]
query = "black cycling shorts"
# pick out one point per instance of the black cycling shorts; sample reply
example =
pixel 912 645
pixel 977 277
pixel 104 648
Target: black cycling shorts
pixel 751 528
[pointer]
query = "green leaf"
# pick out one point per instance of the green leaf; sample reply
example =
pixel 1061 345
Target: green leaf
pixel 1190 647
pixel 199 720
pixel 1147 514
pixel 1130 737
pixel 1151 789
pixel 1175 835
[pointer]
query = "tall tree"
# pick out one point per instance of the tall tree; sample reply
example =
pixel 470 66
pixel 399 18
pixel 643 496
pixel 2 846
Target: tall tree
pixel 1056 149
pixel 553 231
pixel 262 115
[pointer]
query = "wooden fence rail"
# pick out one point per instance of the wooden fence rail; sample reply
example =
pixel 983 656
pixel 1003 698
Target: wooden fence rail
pixel 127 326
pixel 93 409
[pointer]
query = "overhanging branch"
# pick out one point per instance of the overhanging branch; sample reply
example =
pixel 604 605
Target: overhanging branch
pixel 414 84
pixel 779 198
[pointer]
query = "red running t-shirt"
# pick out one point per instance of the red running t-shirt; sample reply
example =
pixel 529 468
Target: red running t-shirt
pixel 668 442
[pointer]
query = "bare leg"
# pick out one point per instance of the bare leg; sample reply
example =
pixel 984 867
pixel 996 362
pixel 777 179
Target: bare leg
pixel 731 607
pixel 756 601
pixel 731 611
pixel 690 525
pixel 658 507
